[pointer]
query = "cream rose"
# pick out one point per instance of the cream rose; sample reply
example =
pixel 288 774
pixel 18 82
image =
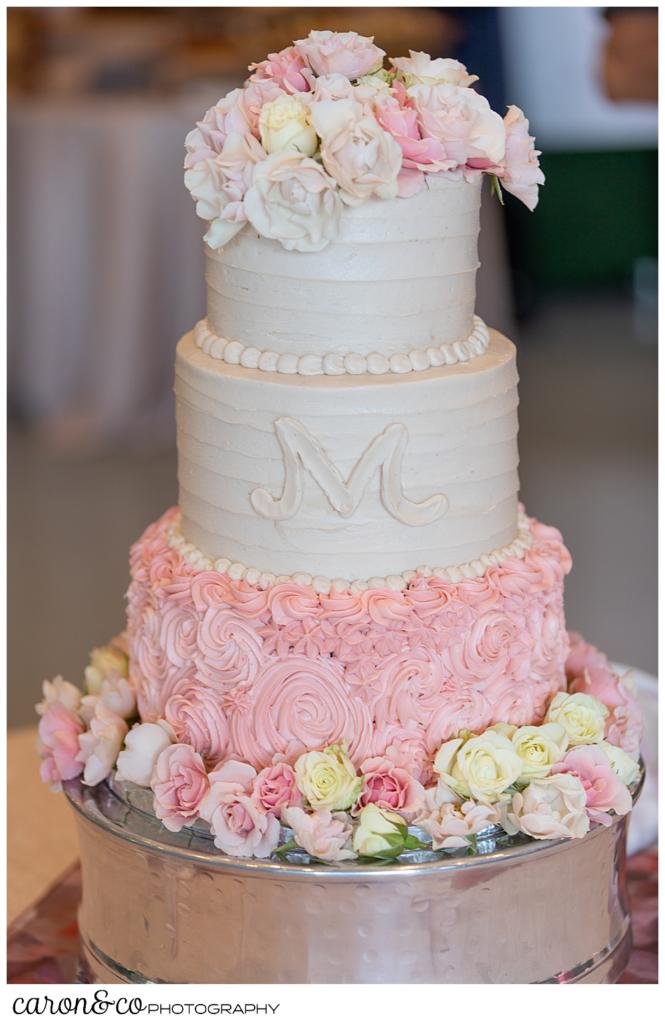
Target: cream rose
pixel 327 779
pixel 581 715
pixel 105 662
pixel 59 691
pixel 363 159
pixel 483 767
pixel 285 124
pixel 552 808
pixel 101 745
pixel 293 200
pixel 625 766
pixel 539 747
pixel 420 69
pixel 379 833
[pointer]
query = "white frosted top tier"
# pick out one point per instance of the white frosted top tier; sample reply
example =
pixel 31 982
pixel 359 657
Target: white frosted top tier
pixel 401 276
pixel 352 477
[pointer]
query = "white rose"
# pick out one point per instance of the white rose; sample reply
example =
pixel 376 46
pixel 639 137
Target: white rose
pixel 363 159
pixel 379 832
pixel 483 767
pixel 101 745
pixel 420 69
pixel 539 747
pixel 105 662
pixel 284 124
pixel 293 200
pixel 143 745
pixel 119 696
pixel 625 766
pixel 552 808
pixel 327 779
pixel 581 715
pixel 61 691
pixel 218 186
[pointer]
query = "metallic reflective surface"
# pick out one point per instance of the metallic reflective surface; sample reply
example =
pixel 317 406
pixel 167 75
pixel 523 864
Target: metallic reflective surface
pixel 160 907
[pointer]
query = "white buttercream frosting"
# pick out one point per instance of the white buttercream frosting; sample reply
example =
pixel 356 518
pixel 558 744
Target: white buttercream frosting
pixel 458 435
pixel 398 281
pixel 323 585
pixel 332 364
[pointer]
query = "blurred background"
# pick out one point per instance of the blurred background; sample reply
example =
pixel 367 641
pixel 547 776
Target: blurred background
pixel 106 273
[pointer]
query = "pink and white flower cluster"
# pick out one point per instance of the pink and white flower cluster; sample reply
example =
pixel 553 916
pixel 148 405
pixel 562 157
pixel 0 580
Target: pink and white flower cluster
pixel 324 123
pixel 548 780
pixel 244 672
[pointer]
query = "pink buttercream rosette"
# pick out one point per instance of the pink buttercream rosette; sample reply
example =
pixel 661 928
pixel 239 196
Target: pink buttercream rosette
pixel 266 674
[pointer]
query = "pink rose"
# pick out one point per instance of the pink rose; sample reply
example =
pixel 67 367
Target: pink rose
pixel 197 719
pixel 405 748
pixel 462 121
pixel 390 787
pixel 322 834
pixel 288 69
pixel 522 174
pixel 275 789
pixel 299 705
pixel 604 791
pixel 582 656
pixel 359 155
pixel 344 53
pixel 179 783
pixel 229 649
pixel 100 745
pixel 253 97
pixel 207 140
pixel 420 152
pixel 219 187
pixel 60 728
pixel 450 825
pixel 241 828
pixel 550 808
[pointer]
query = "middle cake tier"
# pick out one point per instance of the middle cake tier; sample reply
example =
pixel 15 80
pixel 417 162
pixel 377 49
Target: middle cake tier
pixel 350 478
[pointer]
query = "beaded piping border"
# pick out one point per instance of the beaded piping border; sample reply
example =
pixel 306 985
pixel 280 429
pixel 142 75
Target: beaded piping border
pixel 323 585
pixel 334 365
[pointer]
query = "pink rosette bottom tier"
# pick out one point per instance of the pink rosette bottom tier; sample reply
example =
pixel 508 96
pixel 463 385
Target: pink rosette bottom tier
pixel 263 675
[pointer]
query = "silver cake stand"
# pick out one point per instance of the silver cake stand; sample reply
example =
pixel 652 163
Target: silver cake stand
pixel 159 907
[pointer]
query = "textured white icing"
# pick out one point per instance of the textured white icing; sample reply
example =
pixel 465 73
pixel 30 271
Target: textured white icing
pixel 399 279
pixel 312 365
pixel 323 585
pixel 461 422
pixel 384 454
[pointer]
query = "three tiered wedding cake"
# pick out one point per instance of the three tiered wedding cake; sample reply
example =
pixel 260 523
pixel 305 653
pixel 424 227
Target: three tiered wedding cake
pixel 349 637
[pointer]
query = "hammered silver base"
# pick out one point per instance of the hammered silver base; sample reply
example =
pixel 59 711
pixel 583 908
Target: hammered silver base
pixel 161 908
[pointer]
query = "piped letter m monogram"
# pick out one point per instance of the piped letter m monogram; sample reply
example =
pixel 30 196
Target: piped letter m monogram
pixel 302 451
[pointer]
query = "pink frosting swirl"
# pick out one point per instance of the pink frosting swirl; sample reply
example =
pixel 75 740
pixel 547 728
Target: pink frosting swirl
pixel 229 649
pixel 412 685
pixel 460 708
pixel 299 705
pixel 485 652
pixel 196 717
pixel 178 635
pixel 289 601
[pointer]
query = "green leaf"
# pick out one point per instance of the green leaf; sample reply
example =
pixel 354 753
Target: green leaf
pixel 286 848
pixel 413 843
pixel 495 188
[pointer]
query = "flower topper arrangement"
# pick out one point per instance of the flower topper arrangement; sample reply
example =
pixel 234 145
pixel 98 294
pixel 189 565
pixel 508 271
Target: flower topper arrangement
pixel 324 123
pixel 549 780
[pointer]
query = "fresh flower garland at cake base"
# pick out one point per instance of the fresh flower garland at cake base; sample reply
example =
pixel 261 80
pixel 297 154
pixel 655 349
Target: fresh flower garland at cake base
pixel 323 124
pixel 550 780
